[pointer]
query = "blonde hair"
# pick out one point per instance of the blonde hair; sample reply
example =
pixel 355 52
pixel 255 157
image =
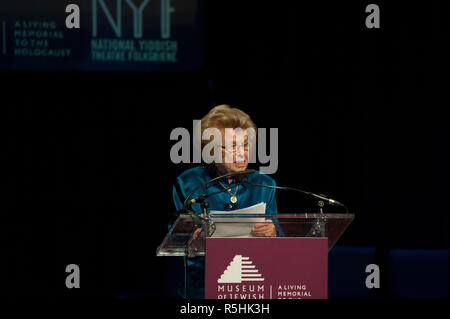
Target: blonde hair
pixel 225 116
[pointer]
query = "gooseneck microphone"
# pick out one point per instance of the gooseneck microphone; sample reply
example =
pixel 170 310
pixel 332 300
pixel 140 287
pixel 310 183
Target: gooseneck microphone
pixel 323 198
pixel 240 177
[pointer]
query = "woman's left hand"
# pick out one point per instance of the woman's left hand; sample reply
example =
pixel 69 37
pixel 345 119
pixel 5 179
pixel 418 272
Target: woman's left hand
pixel 264 229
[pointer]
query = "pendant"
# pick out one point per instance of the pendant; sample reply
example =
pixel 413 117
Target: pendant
pixel 233 199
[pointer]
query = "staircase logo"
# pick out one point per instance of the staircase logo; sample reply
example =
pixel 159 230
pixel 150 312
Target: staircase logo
pixel 240 269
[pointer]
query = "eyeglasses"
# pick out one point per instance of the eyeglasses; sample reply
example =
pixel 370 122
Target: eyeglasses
pixel 234 148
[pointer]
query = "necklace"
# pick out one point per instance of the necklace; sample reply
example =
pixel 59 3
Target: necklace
pixel 233 198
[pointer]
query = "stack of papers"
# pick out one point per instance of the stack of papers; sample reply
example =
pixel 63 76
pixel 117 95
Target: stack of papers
pixel 237 227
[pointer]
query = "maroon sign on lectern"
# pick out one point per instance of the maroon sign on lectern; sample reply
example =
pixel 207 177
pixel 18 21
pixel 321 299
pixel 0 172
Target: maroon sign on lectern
pixel 266 268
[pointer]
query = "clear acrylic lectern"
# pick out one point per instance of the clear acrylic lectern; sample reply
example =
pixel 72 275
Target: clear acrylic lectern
pixel 180 241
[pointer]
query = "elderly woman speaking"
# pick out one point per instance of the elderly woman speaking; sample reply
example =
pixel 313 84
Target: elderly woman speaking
pixel 233 126
pixel 231 155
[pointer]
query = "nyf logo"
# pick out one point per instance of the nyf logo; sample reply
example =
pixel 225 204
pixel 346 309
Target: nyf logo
pixel 240 269
pixel 100 7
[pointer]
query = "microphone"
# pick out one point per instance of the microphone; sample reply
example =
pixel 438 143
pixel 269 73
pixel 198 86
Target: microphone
pixel 240 178
pixel 200 199
pixel 329 201
pixel 321 197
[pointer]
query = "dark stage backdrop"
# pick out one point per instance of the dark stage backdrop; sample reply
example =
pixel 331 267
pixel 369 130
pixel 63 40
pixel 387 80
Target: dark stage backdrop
pixel 362 117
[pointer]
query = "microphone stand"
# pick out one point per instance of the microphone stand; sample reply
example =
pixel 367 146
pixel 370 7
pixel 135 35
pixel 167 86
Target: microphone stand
pixel 205 205
pixel 204 216
pixel 319 223
pixel 319 227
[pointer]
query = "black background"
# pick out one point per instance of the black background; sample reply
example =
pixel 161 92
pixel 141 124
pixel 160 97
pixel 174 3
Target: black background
pixel 362 117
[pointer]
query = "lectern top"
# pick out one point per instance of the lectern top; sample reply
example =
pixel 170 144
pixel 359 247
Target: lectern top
pixel 179 240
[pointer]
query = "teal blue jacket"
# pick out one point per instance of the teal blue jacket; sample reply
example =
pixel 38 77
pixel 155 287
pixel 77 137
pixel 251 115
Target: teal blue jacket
pixel 247 195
